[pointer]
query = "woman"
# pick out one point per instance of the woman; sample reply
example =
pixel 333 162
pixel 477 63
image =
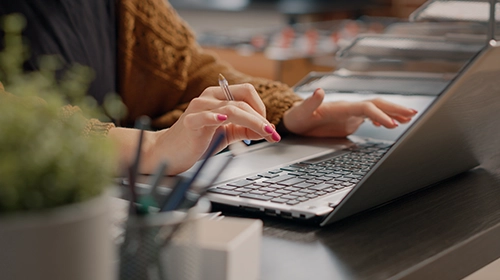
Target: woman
pixel 144 51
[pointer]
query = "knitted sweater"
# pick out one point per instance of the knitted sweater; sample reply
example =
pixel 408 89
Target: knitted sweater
pixel 161 68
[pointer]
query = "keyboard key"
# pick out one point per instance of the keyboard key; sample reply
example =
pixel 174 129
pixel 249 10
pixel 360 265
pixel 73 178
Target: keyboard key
pixel 305 191
pixel 297 193
pixel 342 179
pixel 291 182
pixel 302 199
pixel 268 175
pixel 274 194
pixel 221 191
pixel 303 185
pixel 254 178
pixel 288 196
pixel 296 173
pixel 256 196
pixel 289 168
pixel 307 177
pixel 293 202
pixel 283 191
pixel 276 186
pixel 314 181
pixel 320 187
pixel 279 200
pixel 240 183
pixel 279 178
pixel 257 192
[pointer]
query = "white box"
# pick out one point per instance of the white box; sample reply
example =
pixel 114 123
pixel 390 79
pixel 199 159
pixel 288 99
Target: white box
pixel 230 248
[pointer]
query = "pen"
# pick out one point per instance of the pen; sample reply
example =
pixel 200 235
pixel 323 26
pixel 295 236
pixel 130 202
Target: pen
pixel 177 195
pixel 224 85
pixel 148 200
pixel 142 123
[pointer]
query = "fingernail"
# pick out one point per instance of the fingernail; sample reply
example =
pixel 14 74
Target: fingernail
pixel 394 122
pixel 221 117
pixel 276 137
pixel 268 129
pixel 413 111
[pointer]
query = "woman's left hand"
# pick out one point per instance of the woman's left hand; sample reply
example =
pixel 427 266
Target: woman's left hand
pixel 312 117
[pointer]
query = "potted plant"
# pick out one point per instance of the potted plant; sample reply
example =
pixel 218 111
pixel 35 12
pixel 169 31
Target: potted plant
pixel 54 220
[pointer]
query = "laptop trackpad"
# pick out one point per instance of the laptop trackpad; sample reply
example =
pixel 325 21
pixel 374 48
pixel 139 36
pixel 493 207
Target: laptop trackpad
pixel 261 157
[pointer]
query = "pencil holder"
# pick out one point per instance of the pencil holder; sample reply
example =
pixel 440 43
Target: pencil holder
pixel 162 245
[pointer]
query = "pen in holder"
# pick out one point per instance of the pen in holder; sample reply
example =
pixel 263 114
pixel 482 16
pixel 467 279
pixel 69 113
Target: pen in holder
pixel 162 245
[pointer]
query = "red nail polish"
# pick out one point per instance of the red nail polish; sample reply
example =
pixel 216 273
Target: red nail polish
pixel 221 117
pixel 268 129
pixel 276 137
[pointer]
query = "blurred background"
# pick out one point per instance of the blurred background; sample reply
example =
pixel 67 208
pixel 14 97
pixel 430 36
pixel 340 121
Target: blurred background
pixel 286 39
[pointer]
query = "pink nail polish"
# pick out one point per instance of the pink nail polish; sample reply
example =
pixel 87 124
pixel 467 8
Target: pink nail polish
pixel 276 137
pixel 268 129
pixel 221 117
pixel 395 123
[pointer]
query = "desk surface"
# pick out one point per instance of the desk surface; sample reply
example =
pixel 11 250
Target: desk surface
pixel 444 232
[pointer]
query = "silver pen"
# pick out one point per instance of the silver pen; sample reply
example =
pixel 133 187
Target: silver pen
pixel 224 85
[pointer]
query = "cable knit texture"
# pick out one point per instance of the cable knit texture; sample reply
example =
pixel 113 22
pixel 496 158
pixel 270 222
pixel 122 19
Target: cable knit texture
pixel 161 67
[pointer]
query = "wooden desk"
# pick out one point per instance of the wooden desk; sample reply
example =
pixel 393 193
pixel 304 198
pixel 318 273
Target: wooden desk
pixel 444 232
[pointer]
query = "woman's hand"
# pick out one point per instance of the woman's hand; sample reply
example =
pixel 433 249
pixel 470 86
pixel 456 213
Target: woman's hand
pixel 188 139
pixel 312 117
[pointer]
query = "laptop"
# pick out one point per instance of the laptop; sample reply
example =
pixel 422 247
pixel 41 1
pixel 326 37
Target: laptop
pixel 306 178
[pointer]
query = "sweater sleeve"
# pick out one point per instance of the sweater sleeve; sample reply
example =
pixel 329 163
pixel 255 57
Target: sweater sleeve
pixel 204 70
pixel 161 77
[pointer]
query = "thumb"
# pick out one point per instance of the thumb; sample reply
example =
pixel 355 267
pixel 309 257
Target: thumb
pixel 310 104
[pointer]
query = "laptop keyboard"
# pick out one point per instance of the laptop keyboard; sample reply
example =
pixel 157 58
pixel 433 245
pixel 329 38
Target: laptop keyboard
pixel 303 181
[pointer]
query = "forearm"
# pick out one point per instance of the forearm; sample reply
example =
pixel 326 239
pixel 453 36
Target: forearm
pixel 126 140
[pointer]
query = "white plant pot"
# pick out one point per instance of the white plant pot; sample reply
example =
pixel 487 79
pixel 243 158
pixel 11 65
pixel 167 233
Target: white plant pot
pixel 67 243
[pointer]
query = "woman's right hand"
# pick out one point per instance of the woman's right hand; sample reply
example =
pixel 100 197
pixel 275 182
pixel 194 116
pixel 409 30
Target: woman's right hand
pixel 207 115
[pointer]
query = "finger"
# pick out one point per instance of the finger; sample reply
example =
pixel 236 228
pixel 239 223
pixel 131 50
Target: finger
pixel 401 119
pixel 210 104
pixel 376 114
pixel 241 92
pixel 204 119
pixel 310 104
pixel 238 112
pixel 254 122
pixel 392 108
pixel 248 93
